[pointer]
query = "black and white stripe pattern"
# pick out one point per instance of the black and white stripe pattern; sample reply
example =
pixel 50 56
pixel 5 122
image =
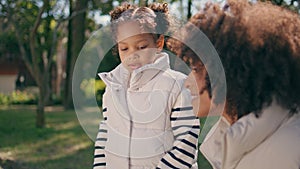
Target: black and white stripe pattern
pixel 99 154
pixel 186 129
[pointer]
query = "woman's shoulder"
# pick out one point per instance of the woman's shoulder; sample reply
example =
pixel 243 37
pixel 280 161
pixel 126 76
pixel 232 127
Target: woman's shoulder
pixel 281 148
pixel 289 131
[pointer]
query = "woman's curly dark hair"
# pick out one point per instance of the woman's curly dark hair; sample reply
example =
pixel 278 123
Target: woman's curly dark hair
pixel 259 46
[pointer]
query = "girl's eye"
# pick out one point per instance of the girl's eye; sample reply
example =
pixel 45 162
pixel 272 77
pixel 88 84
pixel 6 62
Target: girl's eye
pixel 143 47
pixel 123 49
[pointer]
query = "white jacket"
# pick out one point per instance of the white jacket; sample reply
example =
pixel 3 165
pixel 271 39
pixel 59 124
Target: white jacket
pixel 271 141
pixel 148 119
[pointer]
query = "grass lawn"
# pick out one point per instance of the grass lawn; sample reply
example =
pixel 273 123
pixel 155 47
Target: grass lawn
pixel 62 144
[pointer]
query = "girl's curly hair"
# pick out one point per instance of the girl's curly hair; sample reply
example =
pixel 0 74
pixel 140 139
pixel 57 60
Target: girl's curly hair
pixel 152 18
pixel 259 46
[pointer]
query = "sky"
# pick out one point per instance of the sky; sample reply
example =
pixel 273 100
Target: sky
pixel 174 10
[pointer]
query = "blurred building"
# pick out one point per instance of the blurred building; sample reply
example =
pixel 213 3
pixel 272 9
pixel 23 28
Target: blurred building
pixel 8 76
pixel 13 75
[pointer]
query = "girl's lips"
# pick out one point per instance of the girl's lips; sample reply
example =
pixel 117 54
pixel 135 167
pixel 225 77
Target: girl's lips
pixel 133 67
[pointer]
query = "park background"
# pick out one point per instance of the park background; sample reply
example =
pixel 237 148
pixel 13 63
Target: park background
pixel 40 41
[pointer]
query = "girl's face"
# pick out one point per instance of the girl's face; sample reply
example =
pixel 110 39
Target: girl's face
pixel 195 83
pixel 136 48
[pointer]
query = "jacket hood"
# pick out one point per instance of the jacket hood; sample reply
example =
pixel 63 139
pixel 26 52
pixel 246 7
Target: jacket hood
pixel 121 76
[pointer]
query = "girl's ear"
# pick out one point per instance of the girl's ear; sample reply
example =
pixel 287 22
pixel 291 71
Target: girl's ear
pixel 160 42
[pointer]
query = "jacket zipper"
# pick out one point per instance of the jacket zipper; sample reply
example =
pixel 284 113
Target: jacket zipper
pixel 130 135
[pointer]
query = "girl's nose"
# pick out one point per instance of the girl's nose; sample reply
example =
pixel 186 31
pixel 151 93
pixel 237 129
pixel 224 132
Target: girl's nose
pixel 133 56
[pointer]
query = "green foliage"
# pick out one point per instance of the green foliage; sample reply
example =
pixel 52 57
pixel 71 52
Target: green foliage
pixel 104 6
pixel 9 44
pixel 89 86
pixel 18 97
pixel 92 88
pixel 109 62
pixel 22 16
pixel 202 162
pixel 4 99
pixel 206 124
pixel 23 97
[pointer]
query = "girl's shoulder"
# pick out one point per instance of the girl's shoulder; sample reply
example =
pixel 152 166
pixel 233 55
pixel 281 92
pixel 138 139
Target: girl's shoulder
pixel 176 75
pixel 171 80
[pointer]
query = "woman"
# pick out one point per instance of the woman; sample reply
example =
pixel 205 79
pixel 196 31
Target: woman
pixel 259 46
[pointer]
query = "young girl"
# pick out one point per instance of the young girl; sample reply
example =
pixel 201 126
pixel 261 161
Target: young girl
pixel 148 118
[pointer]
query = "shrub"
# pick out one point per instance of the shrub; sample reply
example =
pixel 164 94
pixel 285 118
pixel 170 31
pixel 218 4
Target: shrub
pixel 23 97
pixel 91 88
pixel 19 97
pixel 4 99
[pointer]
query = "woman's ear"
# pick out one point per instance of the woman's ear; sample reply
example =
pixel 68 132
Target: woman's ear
pixel 160 42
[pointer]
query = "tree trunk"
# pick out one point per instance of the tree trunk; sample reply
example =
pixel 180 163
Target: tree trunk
pixel 41 74
pixel 44 97
pixel 189 14
pixel 67 88
pixel 77 32
pixel 40 115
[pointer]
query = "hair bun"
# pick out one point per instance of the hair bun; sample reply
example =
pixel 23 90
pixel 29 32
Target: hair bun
pixel 162 16
pixel 157 7
pixel 117 12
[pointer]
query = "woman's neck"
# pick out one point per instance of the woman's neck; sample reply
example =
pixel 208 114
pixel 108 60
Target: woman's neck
pixel 229 115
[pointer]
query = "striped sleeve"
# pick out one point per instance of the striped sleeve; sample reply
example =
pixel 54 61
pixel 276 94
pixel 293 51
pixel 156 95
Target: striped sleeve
pixel 186 128
pixel 99 154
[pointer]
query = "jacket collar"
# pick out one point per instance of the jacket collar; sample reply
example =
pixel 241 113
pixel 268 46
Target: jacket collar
pixel 242 137
pixel 139 77
pixel 212 144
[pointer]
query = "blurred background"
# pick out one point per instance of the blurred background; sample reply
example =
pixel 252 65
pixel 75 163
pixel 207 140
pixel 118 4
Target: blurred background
pixel 40 41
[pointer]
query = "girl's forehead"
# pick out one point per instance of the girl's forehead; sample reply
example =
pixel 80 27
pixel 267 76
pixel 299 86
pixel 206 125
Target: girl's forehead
pixel 129 29
pixel 136 39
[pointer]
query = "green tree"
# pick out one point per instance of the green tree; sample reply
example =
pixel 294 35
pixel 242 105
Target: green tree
pixel 35 28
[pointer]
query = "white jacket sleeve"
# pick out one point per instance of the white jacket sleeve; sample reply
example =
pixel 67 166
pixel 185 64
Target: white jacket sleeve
pixel 186 128
pixel 99 154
